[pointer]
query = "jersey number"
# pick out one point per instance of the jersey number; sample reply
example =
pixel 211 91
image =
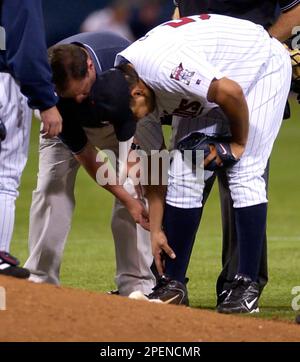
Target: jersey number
pixel 183 21
pixel 188 109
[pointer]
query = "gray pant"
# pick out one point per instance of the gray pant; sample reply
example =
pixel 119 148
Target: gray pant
pixel 51 213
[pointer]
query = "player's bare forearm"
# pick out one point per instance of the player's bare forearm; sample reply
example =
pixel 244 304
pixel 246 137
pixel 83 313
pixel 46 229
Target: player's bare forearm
pixel 282 28
pixel 230 97
pixel 156 200
pixel 134 206
pixel 155 195
pixel 87 158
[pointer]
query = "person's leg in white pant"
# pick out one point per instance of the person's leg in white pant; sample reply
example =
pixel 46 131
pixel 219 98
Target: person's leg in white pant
pixel 266 102
pixel 16 116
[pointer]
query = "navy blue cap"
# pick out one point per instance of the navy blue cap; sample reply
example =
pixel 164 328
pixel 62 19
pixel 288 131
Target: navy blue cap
pixel 110 94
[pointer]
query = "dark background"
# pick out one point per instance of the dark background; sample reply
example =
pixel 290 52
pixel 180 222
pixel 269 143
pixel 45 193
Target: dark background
pixel 64 17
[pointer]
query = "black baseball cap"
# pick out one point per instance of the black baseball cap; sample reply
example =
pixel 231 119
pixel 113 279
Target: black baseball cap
pixel 110 94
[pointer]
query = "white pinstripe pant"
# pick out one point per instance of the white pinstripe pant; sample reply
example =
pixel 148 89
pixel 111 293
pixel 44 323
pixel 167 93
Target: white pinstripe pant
pixel 16 116
pixel 266 101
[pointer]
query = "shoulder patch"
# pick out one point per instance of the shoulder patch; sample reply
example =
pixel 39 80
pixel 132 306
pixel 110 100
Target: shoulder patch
pixel 182 75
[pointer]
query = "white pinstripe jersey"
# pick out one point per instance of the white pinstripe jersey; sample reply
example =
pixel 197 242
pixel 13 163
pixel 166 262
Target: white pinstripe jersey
pixel 180 58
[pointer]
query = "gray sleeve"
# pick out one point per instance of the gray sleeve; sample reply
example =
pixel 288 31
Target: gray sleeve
pixel 149 135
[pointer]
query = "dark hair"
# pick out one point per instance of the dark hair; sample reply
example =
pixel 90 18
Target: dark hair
pixel 130 75
pixel 68 61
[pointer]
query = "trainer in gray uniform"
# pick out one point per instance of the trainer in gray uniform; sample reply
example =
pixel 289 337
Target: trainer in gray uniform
pixel 25 83
pixel 53 200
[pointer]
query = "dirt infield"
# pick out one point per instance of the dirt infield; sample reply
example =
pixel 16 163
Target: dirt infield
pixel 48 313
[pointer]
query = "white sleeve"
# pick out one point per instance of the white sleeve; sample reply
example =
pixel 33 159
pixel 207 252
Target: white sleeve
pixel 192 74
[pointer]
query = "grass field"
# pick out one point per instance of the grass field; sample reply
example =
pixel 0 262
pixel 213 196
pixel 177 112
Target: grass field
pixel 89 256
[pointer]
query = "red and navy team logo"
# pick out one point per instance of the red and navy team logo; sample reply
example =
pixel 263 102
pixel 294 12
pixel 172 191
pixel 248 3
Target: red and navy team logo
pixel 182 75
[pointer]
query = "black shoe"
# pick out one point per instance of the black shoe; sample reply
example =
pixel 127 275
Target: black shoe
pixel 242 297
pixel 9 266
pixel 222 296
pixel 170 291
pixel 113 292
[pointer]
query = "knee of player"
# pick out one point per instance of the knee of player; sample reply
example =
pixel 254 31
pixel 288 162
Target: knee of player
pixel 52 184
pixel 247 190
pixel 7 193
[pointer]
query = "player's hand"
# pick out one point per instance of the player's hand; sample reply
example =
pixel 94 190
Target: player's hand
pixel 237 150
pixel 161 248
pixel 218 152
pixel 52 122
pixel 139 213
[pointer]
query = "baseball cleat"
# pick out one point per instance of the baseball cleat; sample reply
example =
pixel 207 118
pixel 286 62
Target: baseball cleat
pixel 138 295
pixel 242 297
pixel 222 296
pixel 9 266
pixel 113 292
pixel 169 291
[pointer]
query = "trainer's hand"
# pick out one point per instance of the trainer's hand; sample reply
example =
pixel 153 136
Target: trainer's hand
pixel 160 248
pixel 52 122
pixel 139 213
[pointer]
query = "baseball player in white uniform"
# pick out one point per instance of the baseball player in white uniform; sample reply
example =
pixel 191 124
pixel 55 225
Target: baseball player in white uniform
pixel 25 84
pixel 233 75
